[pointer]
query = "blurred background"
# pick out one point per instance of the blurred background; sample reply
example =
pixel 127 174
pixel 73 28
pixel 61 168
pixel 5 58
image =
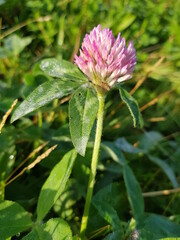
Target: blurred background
pixel 37 29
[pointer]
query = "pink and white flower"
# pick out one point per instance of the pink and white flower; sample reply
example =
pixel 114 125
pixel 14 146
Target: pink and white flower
pixel 104 59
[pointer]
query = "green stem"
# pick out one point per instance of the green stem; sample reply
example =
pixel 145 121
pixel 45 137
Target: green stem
pixel 2 190
pixel 2 187
pixel 39 119
pixel 94 162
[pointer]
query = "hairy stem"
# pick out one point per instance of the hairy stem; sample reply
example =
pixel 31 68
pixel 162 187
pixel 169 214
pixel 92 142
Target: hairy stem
pixel 94 162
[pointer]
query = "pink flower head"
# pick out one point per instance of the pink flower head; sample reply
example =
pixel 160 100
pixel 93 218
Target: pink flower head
pixel 104 59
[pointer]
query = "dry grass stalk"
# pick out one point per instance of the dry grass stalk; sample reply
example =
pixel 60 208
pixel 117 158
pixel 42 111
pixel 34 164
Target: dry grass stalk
pixel 99 232
pixel 66 99
pixel 140 82
pixel 155 100
pixel 33 164
pixel 157 119
pixel 23 24
pixel 7 114
pixel 36 150
pixel 161 193
pixel 76 47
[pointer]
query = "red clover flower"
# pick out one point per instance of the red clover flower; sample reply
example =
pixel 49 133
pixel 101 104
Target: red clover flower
pixel 104 59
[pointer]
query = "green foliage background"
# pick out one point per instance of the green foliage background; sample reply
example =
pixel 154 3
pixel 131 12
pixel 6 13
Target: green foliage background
pixel 33 30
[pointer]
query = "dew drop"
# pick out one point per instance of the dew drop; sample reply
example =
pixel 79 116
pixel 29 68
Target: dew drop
pixel 18 234
pixel 11 157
